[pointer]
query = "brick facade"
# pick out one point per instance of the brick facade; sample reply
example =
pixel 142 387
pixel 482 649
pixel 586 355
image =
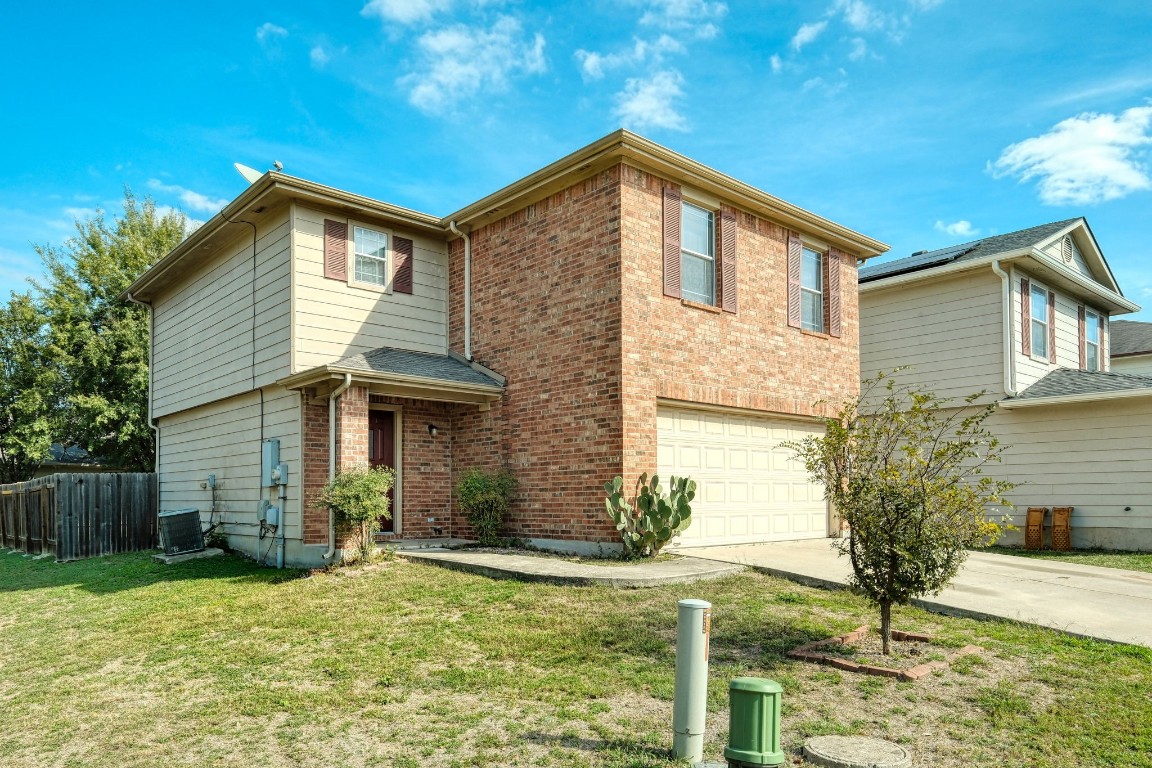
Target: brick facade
pixel 750 360
pixel 546 315
pixel 568 305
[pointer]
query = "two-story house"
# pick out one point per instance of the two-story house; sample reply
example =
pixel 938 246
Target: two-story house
pixel 622 310
pixel 1025 317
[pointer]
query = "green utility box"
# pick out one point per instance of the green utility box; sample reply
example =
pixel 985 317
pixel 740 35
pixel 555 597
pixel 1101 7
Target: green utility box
pixel 754 722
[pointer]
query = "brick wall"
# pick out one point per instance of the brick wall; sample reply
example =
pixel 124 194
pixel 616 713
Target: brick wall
pixel 426 474
pixel 314 453
pixel 751 359
pixel 546 314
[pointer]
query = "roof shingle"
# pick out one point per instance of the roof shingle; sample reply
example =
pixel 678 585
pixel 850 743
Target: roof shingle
pixel 1129 337
pixel 418 364
pixel 1065 381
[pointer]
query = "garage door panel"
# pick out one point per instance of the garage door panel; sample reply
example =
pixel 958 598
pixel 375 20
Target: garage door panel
pixel 749 487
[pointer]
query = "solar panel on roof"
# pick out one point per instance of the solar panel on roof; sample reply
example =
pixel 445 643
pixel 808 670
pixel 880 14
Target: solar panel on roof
pixel 912 263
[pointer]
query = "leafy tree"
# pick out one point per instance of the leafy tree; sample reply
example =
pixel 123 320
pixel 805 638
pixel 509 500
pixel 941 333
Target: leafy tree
pixel 904 470
pixel 76 355
pixel 359 496
pixel 29 391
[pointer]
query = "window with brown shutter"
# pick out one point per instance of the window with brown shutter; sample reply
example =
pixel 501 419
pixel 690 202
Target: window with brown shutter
pixel 1025 317
pixel 1082 336
pixel 672 242
pixel 795 257
pixel 402 276
pixel 335 249
pixel 727 257
pixel 832 297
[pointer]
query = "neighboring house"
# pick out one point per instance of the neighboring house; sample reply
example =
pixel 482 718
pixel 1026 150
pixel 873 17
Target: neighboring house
pixel 70 458
pixel 623 310
pixel 1025 316
pixel 1131 348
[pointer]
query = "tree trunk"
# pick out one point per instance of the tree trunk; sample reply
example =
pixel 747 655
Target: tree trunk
pixel 886 626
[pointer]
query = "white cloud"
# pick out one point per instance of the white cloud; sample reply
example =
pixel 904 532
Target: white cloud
pixel 461 61
pixel 269 32
pixel 405 11
pixel 859 49
pixel 648 103
pixel 594 65
pixel 925 5
pixel 807 34
pixel 861 16
pixel 194 200
pixel 700 17
pixel 960 228
pixel 79 214
pixel 1086 159
pixel 777 63
pixel 318 56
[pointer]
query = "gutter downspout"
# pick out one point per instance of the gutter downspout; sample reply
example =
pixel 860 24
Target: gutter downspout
pixel 151 385
pixel 467 288
pixel 1009 342
pixel 332 459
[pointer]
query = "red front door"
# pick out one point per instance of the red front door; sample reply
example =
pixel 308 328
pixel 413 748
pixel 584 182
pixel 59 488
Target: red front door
pixel 382 452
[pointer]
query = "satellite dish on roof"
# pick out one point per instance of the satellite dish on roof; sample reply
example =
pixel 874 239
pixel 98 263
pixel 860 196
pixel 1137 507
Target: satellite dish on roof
pixel 251 175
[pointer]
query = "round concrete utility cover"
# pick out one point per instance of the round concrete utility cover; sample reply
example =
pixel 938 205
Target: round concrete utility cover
pixel 855 752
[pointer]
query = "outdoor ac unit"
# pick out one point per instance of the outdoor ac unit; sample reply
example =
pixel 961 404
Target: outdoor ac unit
pixel 180 531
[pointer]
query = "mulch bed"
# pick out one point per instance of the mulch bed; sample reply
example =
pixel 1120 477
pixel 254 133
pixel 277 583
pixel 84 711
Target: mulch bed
pixel 861 651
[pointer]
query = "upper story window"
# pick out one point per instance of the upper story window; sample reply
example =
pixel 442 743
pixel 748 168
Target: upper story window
pixel 812 290
pixel 697 254
pixel 371 249
pixel 1092 326
pixel 1039 312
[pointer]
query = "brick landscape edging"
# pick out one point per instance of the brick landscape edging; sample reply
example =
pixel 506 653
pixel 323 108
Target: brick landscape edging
pixel 806 653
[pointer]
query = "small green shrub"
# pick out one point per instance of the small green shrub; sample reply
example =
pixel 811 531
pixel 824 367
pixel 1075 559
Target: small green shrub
pixel 485 498
pixel 656 517
pixel 359 496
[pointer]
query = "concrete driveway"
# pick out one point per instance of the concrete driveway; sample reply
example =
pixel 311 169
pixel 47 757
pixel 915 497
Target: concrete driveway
pixel 1104 603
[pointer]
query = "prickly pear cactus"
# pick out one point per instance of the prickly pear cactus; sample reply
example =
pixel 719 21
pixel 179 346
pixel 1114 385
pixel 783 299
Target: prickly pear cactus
pixel 656 518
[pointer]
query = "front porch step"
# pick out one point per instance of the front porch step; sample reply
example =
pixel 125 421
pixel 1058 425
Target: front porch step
pixel 408 544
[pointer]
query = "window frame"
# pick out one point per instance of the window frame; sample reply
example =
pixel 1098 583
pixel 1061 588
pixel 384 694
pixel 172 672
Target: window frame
pixel 1093 324
pixel 821 292
pixel 709 258
pixel 1034 318
pixel 389 258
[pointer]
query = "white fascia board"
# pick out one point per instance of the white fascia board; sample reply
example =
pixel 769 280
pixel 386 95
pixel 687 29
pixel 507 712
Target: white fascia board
pixel 1090 397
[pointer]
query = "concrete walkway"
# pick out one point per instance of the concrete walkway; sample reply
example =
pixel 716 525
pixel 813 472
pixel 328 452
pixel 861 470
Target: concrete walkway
pixel 554 570
pixel 1103 603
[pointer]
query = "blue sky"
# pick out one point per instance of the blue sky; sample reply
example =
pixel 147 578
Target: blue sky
pixel 919 122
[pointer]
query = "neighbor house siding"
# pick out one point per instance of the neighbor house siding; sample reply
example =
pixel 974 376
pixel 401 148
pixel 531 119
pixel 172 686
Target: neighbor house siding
pixel 224 439
pixel 205 329
pixel 751 359
pixel 1139 365
pixel 1094 457
pixel 334 320
pixel 949 334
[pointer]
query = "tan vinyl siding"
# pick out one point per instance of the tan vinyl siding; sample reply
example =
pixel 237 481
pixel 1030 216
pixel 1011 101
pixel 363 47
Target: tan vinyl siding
pixel 1138 365
pixel 1095 457
pixel 1055 251
pixel 334 320
pixel 203 335
pixel 948 331
pixel 224 438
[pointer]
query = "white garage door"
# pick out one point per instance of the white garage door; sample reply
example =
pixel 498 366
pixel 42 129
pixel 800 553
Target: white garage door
pixel 749 488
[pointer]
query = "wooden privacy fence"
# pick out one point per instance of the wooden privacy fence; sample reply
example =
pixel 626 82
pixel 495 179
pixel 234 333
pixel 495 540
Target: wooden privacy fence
pixel 74 516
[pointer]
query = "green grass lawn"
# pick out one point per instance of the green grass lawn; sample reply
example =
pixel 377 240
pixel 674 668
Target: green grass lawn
pixel 123 662
pixel 1132 561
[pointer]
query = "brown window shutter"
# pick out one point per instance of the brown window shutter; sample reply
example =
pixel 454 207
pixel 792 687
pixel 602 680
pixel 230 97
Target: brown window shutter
pixel 1105 361
pixel 1081 327
pixel 672 242
pixel 1051 327
pixel 727 254
pixel 335 250
pixel 1025 317
pixel 795 256
pixel 402 274
pixel 832 301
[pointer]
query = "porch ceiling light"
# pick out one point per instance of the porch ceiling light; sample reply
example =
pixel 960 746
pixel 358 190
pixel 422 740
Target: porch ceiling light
pixel 433 430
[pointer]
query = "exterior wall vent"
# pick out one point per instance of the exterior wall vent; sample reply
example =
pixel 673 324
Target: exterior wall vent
pixel 1066 249
pixel 180 531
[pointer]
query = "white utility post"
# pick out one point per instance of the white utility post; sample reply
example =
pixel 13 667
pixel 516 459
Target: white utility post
pixel 693 628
